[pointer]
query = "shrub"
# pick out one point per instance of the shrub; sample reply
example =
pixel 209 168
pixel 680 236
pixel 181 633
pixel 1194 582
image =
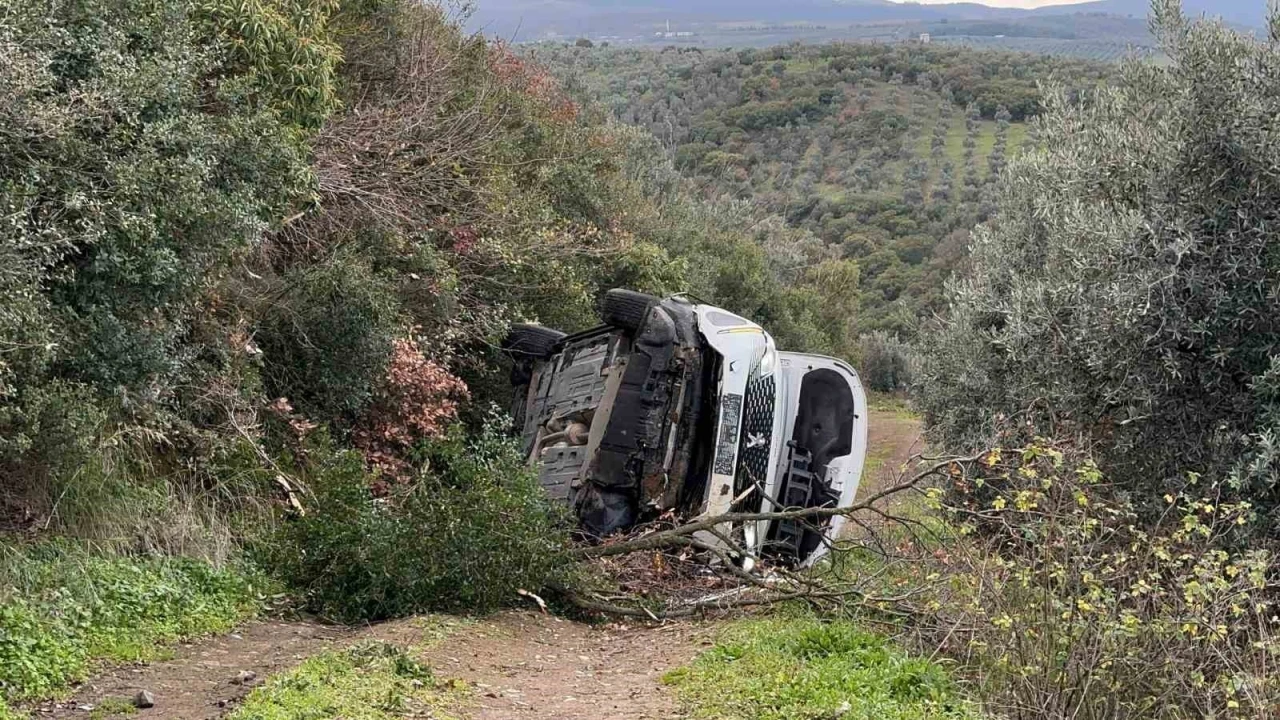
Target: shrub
pixel 417 400
pixel 1065 606
pixel 47 430
pixel 470 531
pixel 326 342
pixel 131 175
pixel 885 362
pixel 138 161
pixel 1127 280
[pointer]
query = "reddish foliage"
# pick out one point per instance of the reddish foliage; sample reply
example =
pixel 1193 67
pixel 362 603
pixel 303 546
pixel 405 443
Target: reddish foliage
pixel 531 79
pixel 465 238
pixel 418 399
pixel 299 425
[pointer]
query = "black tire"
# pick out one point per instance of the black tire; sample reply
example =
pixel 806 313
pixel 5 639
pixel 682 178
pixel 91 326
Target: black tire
pixel 531 341
pixel 626 309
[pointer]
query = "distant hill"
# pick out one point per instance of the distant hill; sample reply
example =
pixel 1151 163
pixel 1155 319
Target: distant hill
pixel 1251 13
pixel 887 153
pixel 1103 28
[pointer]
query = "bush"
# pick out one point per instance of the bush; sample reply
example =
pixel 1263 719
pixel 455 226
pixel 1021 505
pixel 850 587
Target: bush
pixel 469 532
pixel 326 342
pixel 131 174
pixel 1127 281
pixel 885 362
pixel 416 400
pixel 62 606
pixel 1065 606
pixel 144 151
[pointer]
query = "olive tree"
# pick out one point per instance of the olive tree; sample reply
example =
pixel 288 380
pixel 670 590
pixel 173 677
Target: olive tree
pixel 1127 289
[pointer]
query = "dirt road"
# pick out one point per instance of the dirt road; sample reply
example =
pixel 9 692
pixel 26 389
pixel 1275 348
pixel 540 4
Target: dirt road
pixel 521 665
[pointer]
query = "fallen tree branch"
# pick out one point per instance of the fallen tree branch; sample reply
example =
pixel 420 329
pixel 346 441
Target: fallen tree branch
pixel 837 585
pixel 676 535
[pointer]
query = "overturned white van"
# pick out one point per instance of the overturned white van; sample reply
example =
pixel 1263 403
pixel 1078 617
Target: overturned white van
pixel 675 405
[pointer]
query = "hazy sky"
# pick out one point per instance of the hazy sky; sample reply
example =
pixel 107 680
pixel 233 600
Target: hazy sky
pixel 1005 3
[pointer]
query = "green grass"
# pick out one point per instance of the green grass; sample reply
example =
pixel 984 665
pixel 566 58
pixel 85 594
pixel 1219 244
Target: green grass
pixel 112 707
pixel 985 140
pixel 373 681
pixel 895 404
pixel 63 607
pixel 1017 137
pixel 954 148
pixel 785 668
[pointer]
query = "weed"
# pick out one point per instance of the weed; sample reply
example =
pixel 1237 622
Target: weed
pixel 7 713
pixel 112 707
pixel 802 667
pixel 374 681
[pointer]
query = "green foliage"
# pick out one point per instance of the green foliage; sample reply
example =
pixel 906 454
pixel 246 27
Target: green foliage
pixel 49 429
pixel 63 606
pixel 885 362
pixel 802 667
pixel 326 341
pixel 133 170
pixel 1075 609
pixel 834 140
pixel 1125 288
pixel 469 532
pixel 283 49
pixel 370 681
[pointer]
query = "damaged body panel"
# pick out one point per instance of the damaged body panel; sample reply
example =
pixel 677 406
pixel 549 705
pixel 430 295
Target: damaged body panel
pixel 680 406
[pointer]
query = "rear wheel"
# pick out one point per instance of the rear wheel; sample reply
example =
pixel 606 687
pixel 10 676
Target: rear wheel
pixel 531 341
pixel 626 309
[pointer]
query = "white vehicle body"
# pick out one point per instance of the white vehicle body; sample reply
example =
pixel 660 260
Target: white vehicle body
pixel 750 352
pixel 683 406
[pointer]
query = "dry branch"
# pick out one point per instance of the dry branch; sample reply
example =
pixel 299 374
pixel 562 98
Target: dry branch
pixel 777 583
pixel 677 536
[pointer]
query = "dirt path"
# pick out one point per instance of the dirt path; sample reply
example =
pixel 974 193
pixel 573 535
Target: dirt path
pixel 537 667
pixel 892 438
pixel 199 682
pixel 521 665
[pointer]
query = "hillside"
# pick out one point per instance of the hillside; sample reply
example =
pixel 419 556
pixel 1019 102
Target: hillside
pixel 886 154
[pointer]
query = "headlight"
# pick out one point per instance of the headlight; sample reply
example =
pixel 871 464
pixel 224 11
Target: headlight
pixel 769 359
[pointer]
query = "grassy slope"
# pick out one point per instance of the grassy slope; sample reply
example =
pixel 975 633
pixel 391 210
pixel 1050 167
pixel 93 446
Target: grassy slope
pixel 65 608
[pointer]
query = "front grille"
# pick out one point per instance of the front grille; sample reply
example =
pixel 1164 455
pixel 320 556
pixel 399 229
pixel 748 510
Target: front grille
pixel 757 433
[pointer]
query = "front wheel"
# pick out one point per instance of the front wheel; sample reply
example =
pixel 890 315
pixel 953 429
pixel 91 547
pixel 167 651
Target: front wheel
pixel 626 309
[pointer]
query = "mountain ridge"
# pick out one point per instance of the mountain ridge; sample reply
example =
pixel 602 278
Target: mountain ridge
pixel 526 20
